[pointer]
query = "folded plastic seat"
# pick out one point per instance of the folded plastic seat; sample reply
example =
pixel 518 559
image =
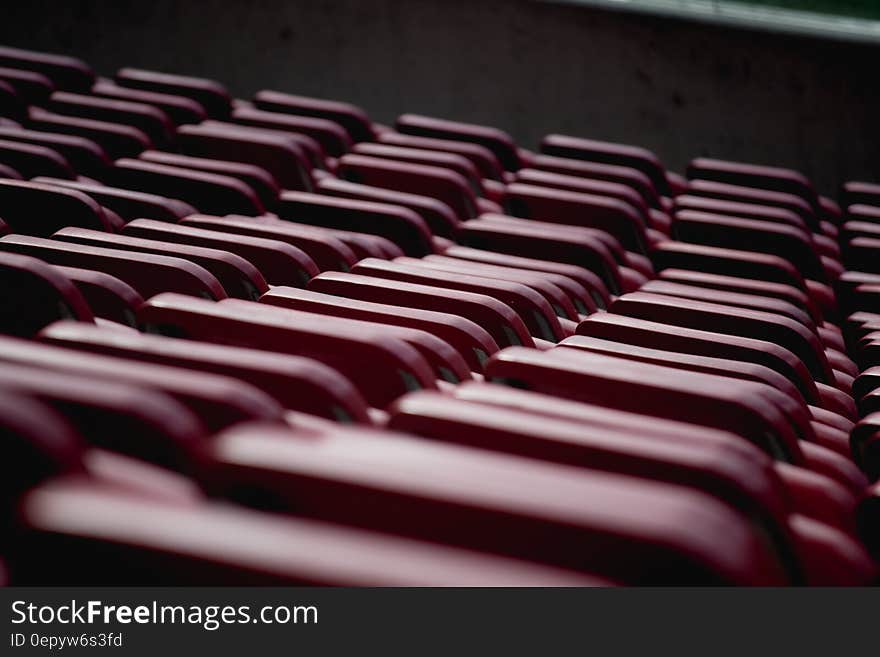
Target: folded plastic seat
pixel 327 251
pixel 38 209
pixel 442 184
pixel 352 118
pixel 211 95
pixel 240 279
pixel 333 138
pixel 151 120
pixel 504 325
pixel 31 160
pixel 438 216
pixel 147 273
pixel 481 157
pixel 400 484
pixel 278 153
pixel 31 86
pixel 470 340
pixel 611 153
pixel 381 365
pixel 776 179
pixel 82 154
pixel 534 310
pixel 107 296
pixel 65 72
pixel 295 382
pixel 606 213
pixel 280 263
pixel 208 192
pixel 116 139
pixel 128 203
pixel 35 294
pixel 258 179
pixel 401 225
pixel 180 109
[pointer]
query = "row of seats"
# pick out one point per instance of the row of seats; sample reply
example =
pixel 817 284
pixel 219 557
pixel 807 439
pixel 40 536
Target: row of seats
pixel 271 341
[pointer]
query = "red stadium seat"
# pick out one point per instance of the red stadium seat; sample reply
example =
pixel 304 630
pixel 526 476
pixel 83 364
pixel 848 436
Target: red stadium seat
pixel 152 121
pixel 211 95
pixel 239 278
pixel 270 341
pixel 84 155
pixel 147 273
pixel 327 251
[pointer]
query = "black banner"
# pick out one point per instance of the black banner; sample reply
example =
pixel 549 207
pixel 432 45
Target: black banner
pixel 327 621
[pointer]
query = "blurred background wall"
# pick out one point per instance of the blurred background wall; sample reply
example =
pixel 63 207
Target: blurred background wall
pixel 679 87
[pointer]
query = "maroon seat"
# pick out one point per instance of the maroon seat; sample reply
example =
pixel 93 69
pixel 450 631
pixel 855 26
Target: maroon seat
pixel 31 208
pixel 775 179
pixel 588 294
pixel 470 340
pixel 738 406
pixel 35 294
pixel 481 157
pixel 814 494
pixel 32 160
pixel 218 401
pixel 859 193
pixel 531 240
pixel 452 161
pixel 147 273
pixel 180 109
pixel 100 530
pixel 497 141
pixel 555 288
pixel 326 250
pixel 116 139
pixel 31 86
pixel 332 137
pixel 400 225
pixel 277 153
pixel 735 321
pixel 114 415
pixel 442 184
pixel 147 118
pixel 604 152
pixel 745 300
pixel 295 382
pixel 208 192
pixel 781 291
pixel 499 319
pixel 211 95
pixel 65 72
pixel 534 310
pixel 239 277
pixel 381 365
pixel 562 206
pixel 259 180
pixel 83 155
pixel 730 470
pixel 793 244
pixel 438 216
pixel 107 296
pixel 280 263
pixel 584 185
pixel 727 262
pixel 746 194
pixel 739 209
pixel 350 117
pixel 354 486
pixel 127 203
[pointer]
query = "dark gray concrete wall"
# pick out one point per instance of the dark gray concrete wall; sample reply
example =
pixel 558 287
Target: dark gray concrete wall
pixel 679 88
